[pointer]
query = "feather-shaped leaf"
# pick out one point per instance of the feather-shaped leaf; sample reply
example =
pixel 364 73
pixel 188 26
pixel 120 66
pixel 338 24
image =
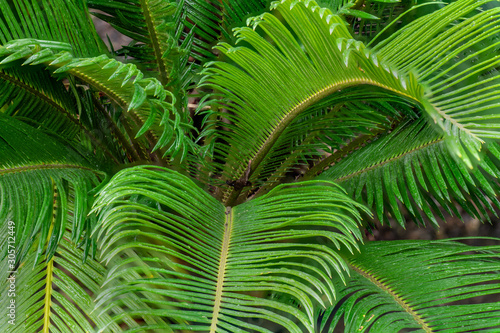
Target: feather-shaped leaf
pixel 419 286
pixel 53 295
pixel 65 21
pixel 412 167
pixel 316 58
pixel 123 83
pixel 35 97
pixel 150 23
pixel 208 263
pixel 44 184
pixel 317 137
pixel 276 82
pixel 454 53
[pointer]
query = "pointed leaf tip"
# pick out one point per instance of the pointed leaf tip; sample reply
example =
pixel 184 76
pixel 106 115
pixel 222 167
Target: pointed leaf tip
pixel 138 98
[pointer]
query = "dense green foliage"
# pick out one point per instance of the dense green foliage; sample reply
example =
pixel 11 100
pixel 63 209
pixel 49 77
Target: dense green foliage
pixel 220 172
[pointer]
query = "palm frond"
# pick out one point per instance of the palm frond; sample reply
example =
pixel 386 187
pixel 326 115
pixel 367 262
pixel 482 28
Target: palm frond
pixel 349 8
pixel 150 104
pixel 211 21
pixel 319 131
pixel 54 295
pixel 419 286
pixel 391 16
pixel 33 96
pixel 236 12
pixel 44 185
pixel 273 84
pixel 21 19
pixel 454 53
pixel 197 262
pixel 151 24
pixel 412 167
pixel 164 29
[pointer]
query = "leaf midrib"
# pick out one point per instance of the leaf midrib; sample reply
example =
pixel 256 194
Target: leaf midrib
pixel 44 166
pixel 228 228
pixel 48 297
pixel 40 95
pixel 155 41
pixel 398 299
pixel 383 162
pixel 230 197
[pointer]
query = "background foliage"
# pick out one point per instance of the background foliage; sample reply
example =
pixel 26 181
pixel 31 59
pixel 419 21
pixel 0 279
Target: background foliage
pixel 232 167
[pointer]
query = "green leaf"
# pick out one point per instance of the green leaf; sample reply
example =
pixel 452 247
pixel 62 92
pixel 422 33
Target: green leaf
pixel 125 85
pixel 423 286
pixel 410 162
pixel 150 23
pixel 53 295
pixel 20 19
pixel 273 83
pixel 453 62
pixel 316 58
pixel 44 186
pixel 180 242
pixel 358 13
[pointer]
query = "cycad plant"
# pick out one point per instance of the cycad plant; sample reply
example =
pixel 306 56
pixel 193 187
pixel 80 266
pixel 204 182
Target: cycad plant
pixel 221 172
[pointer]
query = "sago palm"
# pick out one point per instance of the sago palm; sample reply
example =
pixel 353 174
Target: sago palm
pixel 220 172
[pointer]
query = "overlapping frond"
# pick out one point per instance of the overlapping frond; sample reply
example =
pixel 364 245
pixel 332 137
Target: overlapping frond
pixel 420 286
pixel 321 131
pixel 316 58
pixel 54 295
pixel 275 82
pixel 350 8
pixel 152 106
pixel 34 97
pixel 174 35
pixel 391 16
pixel 454 53
pixel 153 25
pixel 65 21
pixel 44 185
pixel 412 167
pixel 197 264
pixel 211 21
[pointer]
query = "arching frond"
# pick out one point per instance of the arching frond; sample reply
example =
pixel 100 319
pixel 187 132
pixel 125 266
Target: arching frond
pixel 316 58
pixel 419 286
pixel 320 132
pixel 412 165
pixel 65 21
pixel 197 264
pixel 391 16
pixel 152 24
pixel 54 295
pixel 39 100
pixel 454 53
pixel 124 84
pixel 163 30
pixel 211 21
pixel 275 84
pixel 44 184
pixel 33 96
